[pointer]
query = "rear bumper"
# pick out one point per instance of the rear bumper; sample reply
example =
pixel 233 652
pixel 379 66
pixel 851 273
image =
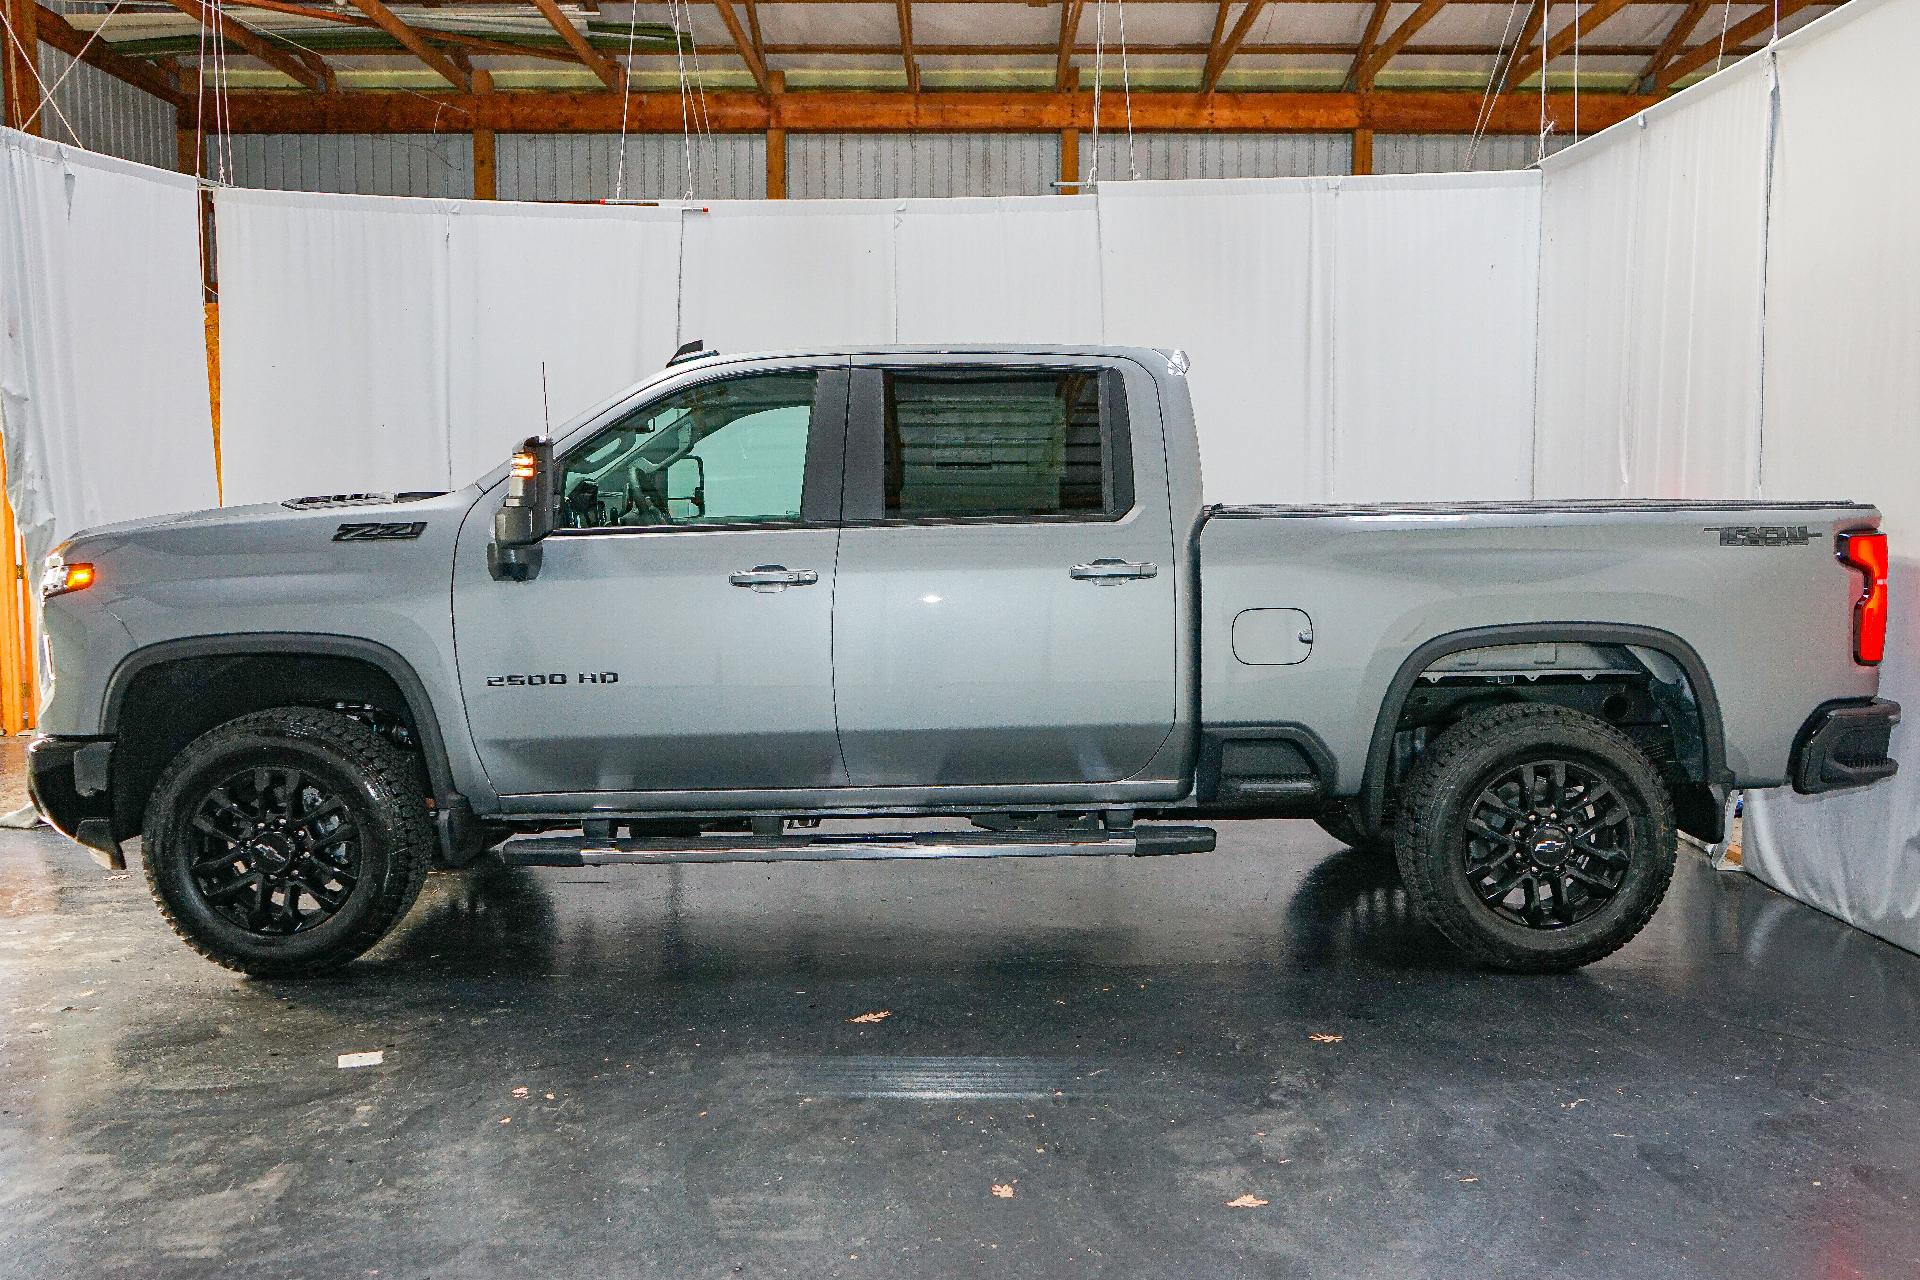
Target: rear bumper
pixel 69 779
pixel 1844 744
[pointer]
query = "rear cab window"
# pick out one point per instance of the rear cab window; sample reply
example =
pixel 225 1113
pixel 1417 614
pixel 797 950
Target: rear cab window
pixel 976 443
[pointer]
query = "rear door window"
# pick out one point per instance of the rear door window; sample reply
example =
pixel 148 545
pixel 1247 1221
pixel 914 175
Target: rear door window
pixel 963 444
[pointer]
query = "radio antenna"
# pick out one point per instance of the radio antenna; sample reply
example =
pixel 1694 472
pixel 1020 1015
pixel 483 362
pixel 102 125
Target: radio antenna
pixel 546 415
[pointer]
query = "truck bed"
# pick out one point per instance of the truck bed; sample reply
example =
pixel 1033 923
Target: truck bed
pixel 1747 593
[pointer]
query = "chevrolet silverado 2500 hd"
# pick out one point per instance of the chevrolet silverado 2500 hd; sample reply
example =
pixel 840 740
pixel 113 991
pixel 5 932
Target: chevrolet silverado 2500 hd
pixel 757 591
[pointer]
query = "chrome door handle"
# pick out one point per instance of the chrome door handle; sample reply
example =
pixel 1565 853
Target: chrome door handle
pixel 1110 572
pixel 773 577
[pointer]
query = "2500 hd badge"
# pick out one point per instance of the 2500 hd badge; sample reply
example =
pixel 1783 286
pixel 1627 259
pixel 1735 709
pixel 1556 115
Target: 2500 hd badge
pixel 555 677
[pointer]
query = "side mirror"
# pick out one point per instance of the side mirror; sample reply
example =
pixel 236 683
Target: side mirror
pixel 687 484
pixel 527 515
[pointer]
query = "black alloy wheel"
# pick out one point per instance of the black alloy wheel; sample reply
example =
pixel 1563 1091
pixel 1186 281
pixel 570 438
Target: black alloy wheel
pixel 286 842
pixel 1535 837
pixel 1548 843
pixel 275 852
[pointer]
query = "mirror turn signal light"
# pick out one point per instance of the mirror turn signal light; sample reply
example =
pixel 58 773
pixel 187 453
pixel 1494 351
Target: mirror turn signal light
pixel 61 577
pixel 524 466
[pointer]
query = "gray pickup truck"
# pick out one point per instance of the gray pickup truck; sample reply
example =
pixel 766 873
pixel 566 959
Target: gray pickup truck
pixel 756 592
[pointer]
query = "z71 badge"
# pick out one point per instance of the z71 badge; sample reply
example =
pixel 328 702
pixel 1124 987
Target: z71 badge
pixel 378 530
pixel 1762 535
pixel 534 679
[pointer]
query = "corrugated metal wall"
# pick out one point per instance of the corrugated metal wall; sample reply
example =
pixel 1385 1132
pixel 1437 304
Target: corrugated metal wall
pixel 1220 155
pixel 1448 152
pixel 401 164
pixel 581 166
pixel 896 165
pixel 102 113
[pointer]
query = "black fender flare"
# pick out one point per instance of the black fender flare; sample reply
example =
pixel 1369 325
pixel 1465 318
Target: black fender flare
pixel 1373 784
pixel 433 745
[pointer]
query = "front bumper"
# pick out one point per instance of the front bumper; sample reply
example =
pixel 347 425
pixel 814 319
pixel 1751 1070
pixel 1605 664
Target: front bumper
pixel 1844 744
pixel 69 780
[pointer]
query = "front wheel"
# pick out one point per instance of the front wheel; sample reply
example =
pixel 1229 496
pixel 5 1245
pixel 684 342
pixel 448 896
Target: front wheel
pixel 1536 838
pixel 286 842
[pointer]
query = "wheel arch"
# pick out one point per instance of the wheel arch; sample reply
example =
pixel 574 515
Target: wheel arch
pixel 149 660
pixel 1376 777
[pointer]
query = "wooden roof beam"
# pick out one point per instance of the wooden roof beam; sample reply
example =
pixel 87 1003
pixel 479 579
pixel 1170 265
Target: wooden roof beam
pixel 743 44
pixel 1368 38
pixel 307 69
pixel 1407 30
pixel 1069 36
pixel 1738 34
pixel 595 61
pixel 386 20
pixel 904 8
pixel 1536 59
pixel 930 111
pixel 56 31
pixel 1218 60
pixel 1676 40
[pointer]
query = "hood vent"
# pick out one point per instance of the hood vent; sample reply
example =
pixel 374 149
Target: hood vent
pixel 321 502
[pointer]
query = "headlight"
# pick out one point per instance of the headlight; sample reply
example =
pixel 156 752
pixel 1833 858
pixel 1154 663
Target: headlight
pixel 59 577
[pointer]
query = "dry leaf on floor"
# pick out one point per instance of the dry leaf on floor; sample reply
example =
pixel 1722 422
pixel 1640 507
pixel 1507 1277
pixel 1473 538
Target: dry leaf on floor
pixel 1325 1037
pixel 1245 1202
pixel 1469 1178
pixel 1003 1190
pixel 520 1092
pixel 878 1015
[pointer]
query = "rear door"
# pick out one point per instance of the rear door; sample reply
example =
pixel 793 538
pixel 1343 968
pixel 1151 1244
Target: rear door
pixel 1005 609
pixel 678 635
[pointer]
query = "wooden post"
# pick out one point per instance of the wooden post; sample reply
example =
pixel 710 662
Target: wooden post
pixel 484 185
pixel 22 76
pixel 1363 150
pixel 16 693
pixel 1070 140
pixel 211 312
pixel 776 138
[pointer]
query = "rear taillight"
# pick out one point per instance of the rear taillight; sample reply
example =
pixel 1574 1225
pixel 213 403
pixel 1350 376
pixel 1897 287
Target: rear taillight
pixel 1867 552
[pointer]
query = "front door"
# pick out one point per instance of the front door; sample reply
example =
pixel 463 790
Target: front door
pixel 678 636
pixel 1005 608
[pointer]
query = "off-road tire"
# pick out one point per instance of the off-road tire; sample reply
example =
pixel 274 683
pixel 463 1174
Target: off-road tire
pixel 1342 823
pixel 1431 837
pixel 383 789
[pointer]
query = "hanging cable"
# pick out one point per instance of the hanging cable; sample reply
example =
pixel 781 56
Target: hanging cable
pixel 1126 92
pixel 48 91
pixel 674 11
pixel 626 99
pixel 1099 75
pixel 33 65
pixel 1546 25
pixel 1502 60
pixel 1576 76
pixel 1726 16
pixel 703 121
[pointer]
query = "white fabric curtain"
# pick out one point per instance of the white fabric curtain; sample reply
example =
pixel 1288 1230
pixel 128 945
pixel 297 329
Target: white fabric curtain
pixel 1359 338
pixel 1730 306
pixel 1652 258
pixel 334 331
pixel 584 294
pixel 1018 269
pixel 103 359
pixel 1842 382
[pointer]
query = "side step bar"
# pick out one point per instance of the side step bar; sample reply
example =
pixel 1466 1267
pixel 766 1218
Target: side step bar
pixel 580 851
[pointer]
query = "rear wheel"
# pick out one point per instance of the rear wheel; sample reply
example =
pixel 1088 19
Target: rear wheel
pixel 287 842
pixel 1536 838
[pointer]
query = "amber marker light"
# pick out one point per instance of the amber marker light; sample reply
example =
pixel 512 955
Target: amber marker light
pixel 61 577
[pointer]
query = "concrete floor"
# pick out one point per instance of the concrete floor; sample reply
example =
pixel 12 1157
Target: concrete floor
pixel 662 1072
